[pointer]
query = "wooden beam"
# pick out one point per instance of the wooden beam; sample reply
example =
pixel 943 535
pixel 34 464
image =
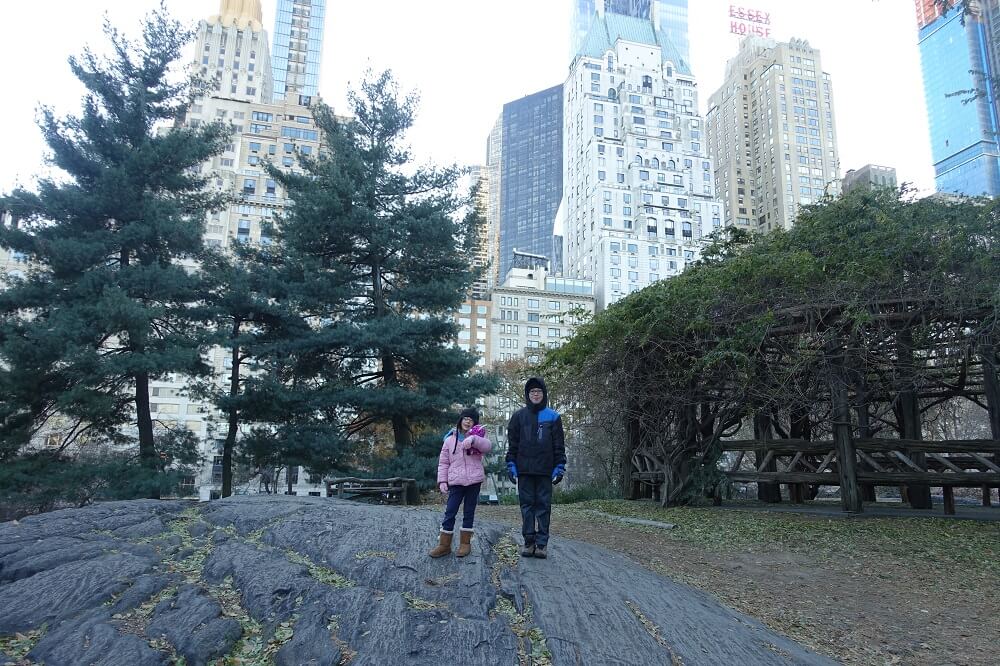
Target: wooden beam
pixel 986 463
pixel 949 500
pixel 967 479
pixel 871 461
pixel 944 461
pixel 738 462
pixel 790 446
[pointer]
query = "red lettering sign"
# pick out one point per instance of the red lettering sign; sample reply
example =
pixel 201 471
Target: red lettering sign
pixel 748 21
pixel 749 14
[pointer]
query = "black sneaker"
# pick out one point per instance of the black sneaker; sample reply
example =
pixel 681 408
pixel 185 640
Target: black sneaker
pixel 528 550
pixel 540 552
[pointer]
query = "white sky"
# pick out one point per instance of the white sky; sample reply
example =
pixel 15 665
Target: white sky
pixel 468 57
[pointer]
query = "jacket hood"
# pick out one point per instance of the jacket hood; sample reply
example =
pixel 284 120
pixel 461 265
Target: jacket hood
pixel 536 382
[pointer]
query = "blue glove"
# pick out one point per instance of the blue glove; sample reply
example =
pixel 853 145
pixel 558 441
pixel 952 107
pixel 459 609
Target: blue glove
pixel 512 472
pixel 557 474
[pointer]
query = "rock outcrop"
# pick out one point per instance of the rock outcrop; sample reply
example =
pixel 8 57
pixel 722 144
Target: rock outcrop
pixel 295 580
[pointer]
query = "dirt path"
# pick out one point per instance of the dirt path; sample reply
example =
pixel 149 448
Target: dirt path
pixel 871 608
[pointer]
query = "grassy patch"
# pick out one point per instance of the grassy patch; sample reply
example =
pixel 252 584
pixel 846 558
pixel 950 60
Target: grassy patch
pixel 346 653
pixel 520 624
pixel 507 554
pixel 135 620
pixel 192 565
pixel 252 649
pixel 654 631
pixel 946 542
pixel 585 493
pixel 323 574
pixel 20 644
pixel 416 603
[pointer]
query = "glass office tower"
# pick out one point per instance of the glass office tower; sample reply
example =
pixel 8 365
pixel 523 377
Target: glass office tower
pixel 531 173
pixel 672 20
pixel 298 47
pixel 964 136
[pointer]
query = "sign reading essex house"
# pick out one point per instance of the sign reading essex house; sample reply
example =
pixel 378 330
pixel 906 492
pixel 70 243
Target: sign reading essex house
pixel 749 21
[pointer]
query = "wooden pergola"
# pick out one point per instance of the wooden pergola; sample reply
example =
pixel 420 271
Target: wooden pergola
pixel 906 358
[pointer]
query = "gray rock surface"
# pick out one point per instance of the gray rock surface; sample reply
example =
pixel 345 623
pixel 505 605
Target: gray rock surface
pixel 192 622
pixel 90 639
pixel 295 580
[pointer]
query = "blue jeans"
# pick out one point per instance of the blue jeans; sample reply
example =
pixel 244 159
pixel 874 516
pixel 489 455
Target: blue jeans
pixel 466 495
pixel 534 492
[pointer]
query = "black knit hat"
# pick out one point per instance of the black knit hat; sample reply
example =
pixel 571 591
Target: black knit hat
pixel 472 413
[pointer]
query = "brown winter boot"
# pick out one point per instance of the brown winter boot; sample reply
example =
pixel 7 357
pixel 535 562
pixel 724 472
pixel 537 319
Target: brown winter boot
pixel 444 545
pixel 465 543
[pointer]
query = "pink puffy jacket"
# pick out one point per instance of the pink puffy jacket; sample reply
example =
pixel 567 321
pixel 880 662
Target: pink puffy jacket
pixel 461 468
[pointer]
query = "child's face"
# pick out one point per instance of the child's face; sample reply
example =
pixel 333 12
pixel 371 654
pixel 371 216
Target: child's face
pixel 536 395
pixel 466 423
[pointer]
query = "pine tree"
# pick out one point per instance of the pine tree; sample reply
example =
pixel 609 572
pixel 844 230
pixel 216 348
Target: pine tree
pixel 247 321
pixel 107 310
pixel 380 256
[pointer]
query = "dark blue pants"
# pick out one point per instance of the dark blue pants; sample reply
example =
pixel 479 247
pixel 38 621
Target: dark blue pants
pixel 534 492
pixel 468 496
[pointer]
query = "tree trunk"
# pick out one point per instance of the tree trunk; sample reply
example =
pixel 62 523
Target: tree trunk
pixel 868 493
pixel 800 427
pixel 234 390
pixel 631 489
pixel 850 492
pixel 288 479
pixel 766 492
pixel 144 422
pixel 919 494
pixel 988 355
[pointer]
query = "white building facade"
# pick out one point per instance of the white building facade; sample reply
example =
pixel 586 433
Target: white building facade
pixel 533 311
pixel 638 182
pixel 771 134
pixel 232 49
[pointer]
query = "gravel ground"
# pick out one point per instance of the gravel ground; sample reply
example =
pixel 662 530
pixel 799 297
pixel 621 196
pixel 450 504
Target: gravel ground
pixel 873 591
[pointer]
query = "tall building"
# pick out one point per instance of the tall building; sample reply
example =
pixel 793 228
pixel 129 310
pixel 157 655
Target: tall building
pixel 531 172
pixel 232 50
pixel 298 46
pixel 960 53
pixel 534 311
pixel 638 187
pixel 771 133
pixel 869 177
pixel 670 16
pixel 494 154
pixel 479 179
pixel 236 45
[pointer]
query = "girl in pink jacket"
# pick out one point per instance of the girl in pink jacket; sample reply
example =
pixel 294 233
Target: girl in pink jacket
pixel 460 474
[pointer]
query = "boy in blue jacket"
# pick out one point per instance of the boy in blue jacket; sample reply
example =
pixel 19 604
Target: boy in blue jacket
pixel 536 460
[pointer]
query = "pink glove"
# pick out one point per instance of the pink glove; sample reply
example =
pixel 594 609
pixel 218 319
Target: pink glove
pixel 443 487
pixel 477 430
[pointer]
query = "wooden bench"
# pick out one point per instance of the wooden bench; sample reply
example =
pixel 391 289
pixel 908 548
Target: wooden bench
pixel 396 490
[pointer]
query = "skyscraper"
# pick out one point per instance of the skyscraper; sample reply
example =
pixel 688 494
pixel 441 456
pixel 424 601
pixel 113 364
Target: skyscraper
pixel 638 193
pixel 494 156
pixel 771 133
pixel 298 47
pixel 671 17
pixel 231 48
pixel 531 173
pixel 960 55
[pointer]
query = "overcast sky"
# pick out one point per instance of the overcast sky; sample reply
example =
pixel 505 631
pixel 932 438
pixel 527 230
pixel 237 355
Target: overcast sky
pixel 468 57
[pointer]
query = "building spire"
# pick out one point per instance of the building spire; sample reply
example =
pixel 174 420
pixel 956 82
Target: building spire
pixel 242 13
